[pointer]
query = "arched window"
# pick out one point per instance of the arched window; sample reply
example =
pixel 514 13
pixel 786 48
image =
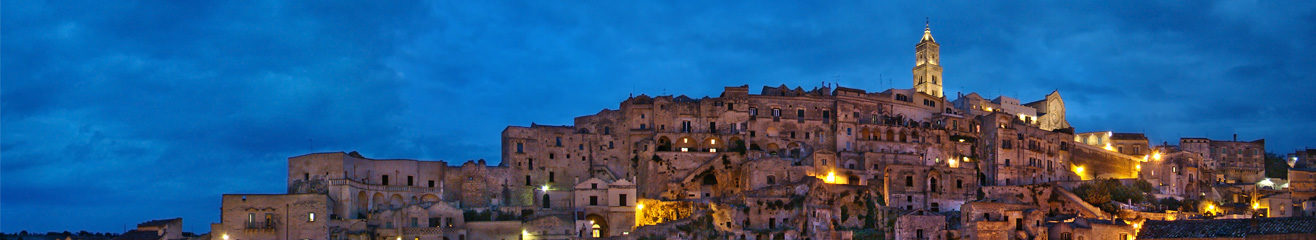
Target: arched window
pixel 932 184
pixel 546 201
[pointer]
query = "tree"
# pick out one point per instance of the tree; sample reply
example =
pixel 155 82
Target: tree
pixel 1276 167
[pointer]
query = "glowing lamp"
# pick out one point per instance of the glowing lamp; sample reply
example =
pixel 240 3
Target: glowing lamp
pixel 831 177
pixel 1156 155
pixel 225 236
pixel 1078 169
pixel 544 188
pixel 1256 206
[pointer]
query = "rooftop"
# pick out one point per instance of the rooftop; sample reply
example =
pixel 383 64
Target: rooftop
pixel 1232 228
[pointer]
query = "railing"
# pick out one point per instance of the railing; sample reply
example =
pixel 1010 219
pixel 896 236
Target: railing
pixel 385 188
pixel 422 231
pixel 260 225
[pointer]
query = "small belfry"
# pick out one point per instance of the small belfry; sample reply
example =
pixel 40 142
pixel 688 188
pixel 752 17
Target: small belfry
pixel 927 68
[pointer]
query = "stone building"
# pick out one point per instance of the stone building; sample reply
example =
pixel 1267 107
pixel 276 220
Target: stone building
pixel 162 229
pixel 1234 161
pixel 1132 144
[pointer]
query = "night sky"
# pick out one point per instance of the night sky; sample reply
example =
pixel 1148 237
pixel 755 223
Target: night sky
pixel 121 113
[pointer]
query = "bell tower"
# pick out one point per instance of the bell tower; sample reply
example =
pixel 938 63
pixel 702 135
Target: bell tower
pixel 927 68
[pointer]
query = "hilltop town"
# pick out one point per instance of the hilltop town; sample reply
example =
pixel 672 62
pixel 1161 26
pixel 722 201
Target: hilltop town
pixel 828 162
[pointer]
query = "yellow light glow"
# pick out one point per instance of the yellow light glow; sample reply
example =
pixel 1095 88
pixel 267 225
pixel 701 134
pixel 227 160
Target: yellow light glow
pixel 712 141
pixel 1256 206
pixel 639 207
pixel 712 150
pixel 225 236
pixel 685 149
pixel 1156 156
pixel 685 140
pixel 1144 158
pixel 831 177
pixel 989 109
pixel 399 238
pixel 543 188
pixel 1023 117
pixel 1109 148
pixel 1139 167
pixel 1210 207
pixel 961 140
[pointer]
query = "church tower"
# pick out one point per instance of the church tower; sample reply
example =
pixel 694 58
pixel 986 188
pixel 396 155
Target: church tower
pixel 927 69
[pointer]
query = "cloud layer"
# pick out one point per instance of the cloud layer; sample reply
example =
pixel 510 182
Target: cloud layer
pixel 122 112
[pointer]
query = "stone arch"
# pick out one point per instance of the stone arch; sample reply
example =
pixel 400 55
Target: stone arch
pixel 664 144
pixel 772 132
pixel 865 134
pixel 890 135
pixel 735 143
pixel 904 136
pixel 429 198
pixel 795 150
pixel 362 201
pixel 713 143
pixel 395 201
pixel 686 142
pixel 377 201
pixel 772 148
pixel 914 136
pixel 598 226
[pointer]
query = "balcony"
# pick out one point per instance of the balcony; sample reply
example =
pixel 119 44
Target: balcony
pixel 374 187
pixel 422 231
pixel 260 226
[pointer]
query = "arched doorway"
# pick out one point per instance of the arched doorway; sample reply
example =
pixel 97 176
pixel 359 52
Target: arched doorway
pixel 598 226
pixel 546 201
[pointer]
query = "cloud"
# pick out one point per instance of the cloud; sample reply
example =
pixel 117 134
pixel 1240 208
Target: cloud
pixel 138 104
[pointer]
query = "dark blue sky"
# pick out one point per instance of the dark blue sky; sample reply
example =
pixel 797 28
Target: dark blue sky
pixel 116 114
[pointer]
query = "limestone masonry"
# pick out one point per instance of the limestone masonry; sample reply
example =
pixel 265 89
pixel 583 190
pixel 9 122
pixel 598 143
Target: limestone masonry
pixel 782 163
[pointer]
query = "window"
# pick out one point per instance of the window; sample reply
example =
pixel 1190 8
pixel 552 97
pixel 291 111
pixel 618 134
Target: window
pixel 385 179
pixel 909 181
pixel 918 234
pixel 772 180
pixel 431 183
pixel 530 162
pixel 310 217
pixel 527 180
pixel 415 222
pixel 729 108
pixel 641 116
pixel 621 199
pixel 593 200
pixel 799 113
pixel 559 141
pixel 776 112
pixel 593 186
pixel 753 112
pixel 520 148
pixel 306 176
pixel 411 181
pixel 959 183
pixel 546 201
pixel 936 207
pixel 550 177
pixel 932 185
pixel 581 147
pixel 610 145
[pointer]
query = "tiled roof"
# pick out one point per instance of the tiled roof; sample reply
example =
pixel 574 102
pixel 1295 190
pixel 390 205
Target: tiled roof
pixel 1230 228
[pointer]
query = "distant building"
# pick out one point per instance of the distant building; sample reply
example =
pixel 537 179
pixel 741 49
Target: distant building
pixel 1234 161
pixel 163 229
pixel 1132 144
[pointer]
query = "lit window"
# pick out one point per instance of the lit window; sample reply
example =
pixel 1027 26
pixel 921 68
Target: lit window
pixel 310 217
